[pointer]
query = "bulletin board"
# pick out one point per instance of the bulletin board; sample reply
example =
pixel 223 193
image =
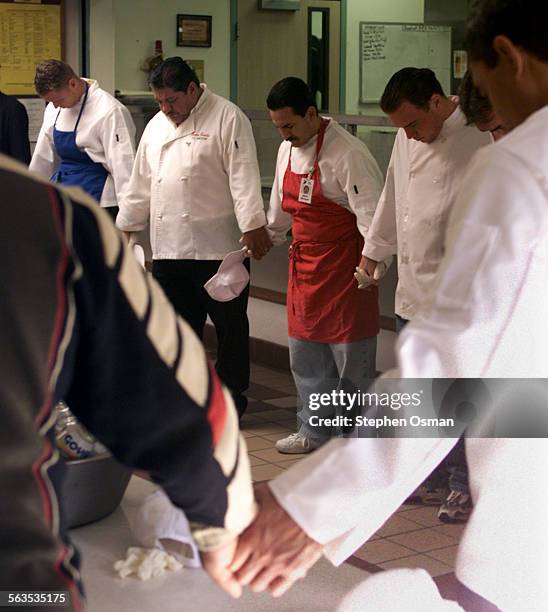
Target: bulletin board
pixel 30 32
pixel 385 48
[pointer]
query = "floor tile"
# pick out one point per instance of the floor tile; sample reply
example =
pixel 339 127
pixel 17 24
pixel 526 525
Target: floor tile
pixel 248 419
pixel 455 530
pixel 277 436
pixel 424 515
pixel 273 456
pixel 253 461
pixel 432 566
pixel 283 402
pixel 260 392
pixel 288 463
pixel 266 427
pixel 381 550
pixel 397 524
pixel 423 540
pixel 246 434
pixel 290 424
pixel 275 415
pixel 265 472
pixel 445 555
pixel 254 406
pixel 257 443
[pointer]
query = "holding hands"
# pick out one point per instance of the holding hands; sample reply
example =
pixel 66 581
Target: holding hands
pixel 271 554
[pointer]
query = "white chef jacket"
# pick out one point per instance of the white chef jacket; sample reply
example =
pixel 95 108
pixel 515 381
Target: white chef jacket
pixel 349 175
pixel 485 318
pixel 422 183
pixel 198 184
pixel 106 132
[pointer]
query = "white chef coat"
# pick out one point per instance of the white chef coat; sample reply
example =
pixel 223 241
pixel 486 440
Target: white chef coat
pixel 198 183
pixel 422 183
pixel 485 317
pixel 349 175
pixel 106 132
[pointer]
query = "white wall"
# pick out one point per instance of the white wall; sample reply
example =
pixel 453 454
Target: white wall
pixel 101 43
pixel 138 23
pixel 411 11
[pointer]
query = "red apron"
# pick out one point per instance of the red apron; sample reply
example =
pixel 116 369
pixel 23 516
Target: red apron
pixel 324 303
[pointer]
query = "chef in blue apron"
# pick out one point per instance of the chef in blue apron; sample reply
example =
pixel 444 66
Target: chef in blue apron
pixel 87 137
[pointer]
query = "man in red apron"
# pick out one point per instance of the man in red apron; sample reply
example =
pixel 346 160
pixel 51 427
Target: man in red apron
pixel 326 188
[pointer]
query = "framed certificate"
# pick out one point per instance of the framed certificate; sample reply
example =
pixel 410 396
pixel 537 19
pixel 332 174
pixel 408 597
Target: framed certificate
pixel 194 30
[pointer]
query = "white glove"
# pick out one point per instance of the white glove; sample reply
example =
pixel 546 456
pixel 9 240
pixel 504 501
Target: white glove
pixel 364 280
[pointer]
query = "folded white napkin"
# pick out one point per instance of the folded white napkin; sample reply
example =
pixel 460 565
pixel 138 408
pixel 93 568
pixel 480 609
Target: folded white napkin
pixel 231 279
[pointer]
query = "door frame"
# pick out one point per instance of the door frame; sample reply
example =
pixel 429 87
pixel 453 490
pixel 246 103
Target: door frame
pixel 234 53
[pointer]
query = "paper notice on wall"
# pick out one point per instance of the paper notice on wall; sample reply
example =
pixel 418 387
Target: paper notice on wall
pixel 35 110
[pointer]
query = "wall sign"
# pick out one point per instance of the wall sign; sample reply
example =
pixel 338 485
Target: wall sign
pixel 30 32
pixel 194 30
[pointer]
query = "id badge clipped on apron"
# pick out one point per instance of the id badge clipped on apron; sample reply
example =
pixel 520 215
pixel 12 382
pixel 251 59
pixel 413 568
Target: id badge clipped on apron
pixel 306 189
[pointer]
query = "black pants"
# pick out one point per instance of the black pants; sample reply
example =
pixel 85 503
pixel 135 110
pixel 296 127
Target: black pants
pixel 183 283
pixel 112 211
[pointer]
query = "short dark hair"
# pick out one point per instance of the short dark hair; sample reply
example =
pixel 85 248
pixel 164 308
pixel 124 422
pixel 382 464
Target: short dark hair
pixel 52 74
pixel 476 108
pixel 291 92
pixel 174 73
pixel 522 21
pixel 414 85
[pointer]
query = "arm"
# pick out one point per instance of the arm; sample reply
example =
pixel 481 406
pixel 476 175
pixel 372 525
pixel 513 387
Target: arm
pixel 135 205
pixel 242 168
pixel 360 178
pixel 44 159
pixel 279 222
pixel 18 134
pixel 381 241
pixel 143 386
pixel 118 143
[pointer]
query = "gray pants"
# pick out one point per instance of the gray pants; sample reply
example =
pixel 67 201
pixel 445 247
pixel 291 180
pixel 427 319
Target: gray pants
pixel 324 368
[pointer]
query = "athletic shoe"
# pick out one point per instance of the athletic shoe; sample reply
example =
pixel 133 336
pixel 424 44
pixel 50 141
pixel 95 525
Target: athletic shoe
pixel 456 508
pixel 296 444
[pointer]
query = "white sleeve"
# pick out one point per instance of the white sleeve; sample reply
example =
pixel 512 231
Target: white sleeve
pixel 119 146
pixel 242 168
pixel 135 204
pixel 45 159
pixel 491 283
pixel 278 220
pixel 381 240
pixel 360 178
pixel 343 493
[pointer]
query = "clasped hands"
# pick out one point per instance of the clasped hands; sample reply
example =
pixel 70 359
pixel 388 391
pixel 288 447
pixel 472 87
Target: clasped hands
pixel 271 554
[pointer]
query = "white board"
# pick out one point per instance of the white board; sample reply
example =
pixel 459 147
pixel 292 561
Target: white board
pixel 386 48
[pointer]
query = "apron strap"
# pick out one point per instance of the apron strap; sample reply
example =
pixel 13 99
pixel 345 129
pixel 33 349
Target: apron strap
pixel 319 142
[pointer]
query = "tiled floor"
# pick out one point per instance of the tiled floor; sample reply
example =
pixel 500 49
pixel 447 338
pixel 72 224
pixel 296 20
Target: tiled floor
pixel 412 537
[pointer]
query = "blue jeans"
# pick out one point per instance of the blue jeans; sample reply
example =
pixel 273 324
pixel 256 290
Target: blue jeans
pixel 318 367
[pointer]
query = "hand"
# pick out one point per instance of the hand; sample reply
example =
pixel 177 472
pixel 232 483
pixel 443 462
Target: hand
pixel 216 563
pixel 365 273
pixel 257 241
pixel 273 552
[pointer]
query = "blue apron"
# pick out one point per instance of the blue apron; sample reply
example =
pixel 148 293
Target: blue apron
pixel 77 167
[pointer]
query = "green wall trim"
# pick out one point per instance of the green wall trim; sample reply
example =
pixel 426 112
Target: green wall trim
pixel 342 69
pixel 233 51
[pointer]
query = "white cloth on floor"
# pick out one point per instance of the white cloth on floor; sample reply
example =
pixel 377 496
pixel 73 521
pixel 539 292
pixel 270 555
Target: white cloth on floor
pixel 157 523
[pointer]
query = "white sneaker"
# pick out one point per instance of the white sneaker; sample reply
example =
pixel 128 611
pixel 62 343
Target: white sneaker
pixel 296 443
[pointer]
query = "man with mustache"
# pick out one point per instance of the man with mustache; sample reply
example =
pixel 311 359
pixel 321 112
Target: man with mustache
pixel 196 180
pixel 326 187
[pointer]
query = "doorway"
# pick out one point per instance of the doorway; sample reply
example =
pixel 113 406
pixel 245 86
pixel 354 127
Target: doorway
pixel 271 45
